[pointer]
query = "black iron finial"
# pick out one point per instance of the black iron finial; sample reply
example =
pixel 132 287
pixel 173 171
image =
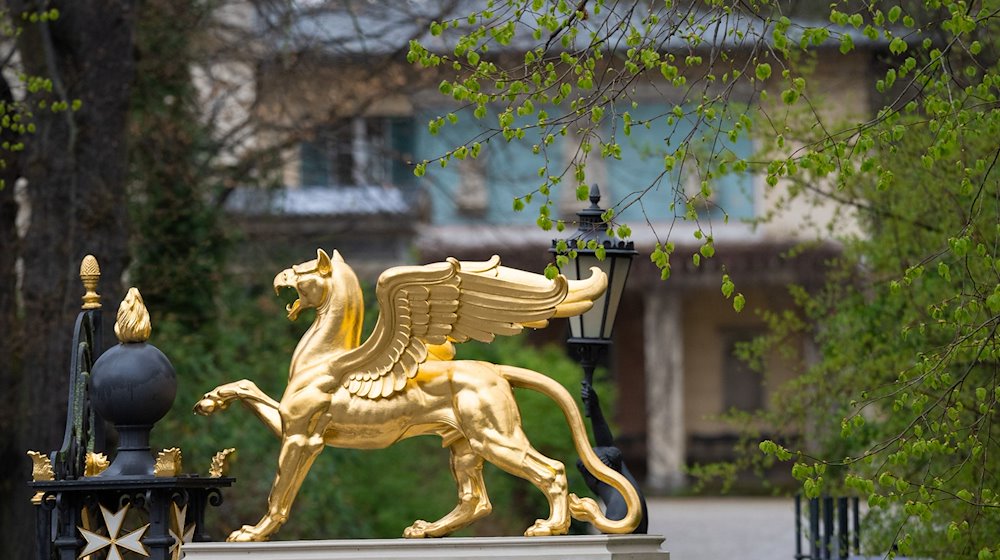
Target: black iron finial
pixel 595 196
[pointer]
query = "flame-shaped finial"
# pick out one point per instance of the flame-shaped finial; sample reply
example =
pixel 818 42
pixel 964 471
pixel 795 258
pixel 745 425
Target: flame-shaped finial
pixel 90 273
pixel 220 463
pixel 41 467
pixel 132 323
pixel 95 464
pixel 168 463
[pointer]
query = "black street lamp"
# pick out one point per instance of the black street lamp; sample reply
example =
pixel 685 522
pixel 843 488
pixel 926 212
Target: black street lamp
pixel 590 336
pixel 590 333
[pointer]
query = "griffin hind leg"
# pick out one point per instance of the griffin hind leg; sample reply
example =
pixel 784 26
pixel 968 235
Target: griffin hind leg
pixel 547 474
pixel 473 502
pixel 499 438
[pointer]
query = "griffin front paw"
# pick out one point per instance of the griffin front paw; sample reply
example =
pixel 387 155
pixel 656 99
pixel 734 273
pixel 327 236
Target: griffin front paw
pixel 209 405
pixel 248 533
pixel 417 531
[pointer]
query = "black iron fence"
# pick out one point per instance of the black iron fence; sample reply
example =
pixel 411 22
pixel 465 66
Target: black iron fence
pixel 833 528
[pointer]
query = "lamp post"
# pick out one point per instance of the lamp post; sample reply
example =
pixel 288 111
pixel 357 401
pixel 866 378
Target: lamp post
pixel 590 336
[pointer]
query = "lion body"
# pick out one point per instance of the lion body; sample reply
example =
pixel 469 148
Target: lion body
pixel 445 399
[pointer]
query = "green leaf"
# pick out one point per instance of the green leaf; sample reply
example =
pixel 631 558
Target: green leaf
pixel 668 70
pixel 846 43
pixel 763 71
pixel 897 46
pixel 993 301
pixel 727 286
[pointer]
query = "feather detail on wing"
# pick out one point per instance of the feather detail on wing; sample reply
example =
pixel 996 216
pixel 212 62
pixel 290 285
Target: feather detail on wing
pixel 456 301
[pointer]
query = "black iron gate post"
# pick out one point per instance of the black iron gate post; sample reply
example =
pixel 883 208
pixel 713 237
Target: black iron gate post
pixel 132 385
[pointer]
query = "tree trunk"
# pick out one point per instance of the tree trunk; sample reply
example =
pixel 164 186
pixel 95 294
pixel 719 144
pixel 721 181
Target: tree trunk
pixel 11 470
pixel 75 167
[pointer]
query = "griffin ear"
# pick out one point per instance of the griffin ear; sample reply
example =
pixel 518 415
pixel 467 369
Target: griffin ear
pixel 323 264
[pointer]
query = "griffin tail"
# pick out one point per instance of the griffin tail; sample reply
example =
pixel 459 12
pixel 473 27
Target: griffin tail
pixel 582 509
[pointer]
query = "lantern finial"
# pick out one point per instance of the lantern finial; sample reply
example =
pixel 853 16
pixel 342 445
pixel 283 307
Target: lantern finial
pixel 595 196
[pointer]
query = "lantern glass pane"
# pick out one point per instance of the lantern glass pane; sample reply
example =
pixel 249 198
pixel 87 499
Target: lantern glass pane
pixel 572 272
pixel 593 319
pixel 575 327
pixel 616 288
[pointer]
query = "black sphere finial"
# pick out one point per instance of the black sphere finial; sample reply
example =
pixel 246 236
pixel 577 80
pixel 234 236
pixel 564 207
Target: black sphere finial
pixel 133 386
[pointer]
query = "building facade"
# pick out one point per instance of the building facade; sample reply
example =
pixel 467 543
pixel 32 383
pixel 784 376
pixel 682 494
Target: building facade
pixel 350 183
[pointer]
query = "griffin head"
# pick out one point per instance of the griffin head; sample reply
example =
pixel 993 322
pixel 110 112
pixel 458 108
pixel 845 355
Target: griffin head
pixel 314 281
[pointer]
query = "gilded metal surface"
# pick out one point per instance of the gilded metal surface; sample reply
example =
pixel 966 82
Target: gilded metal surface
pixel 41 469
pixel 220 463
pixel 132 323
pixel 168 463
pixel 95 464
pixel 90 273
pixel 181 533
pixel 113 521
pixel 401 382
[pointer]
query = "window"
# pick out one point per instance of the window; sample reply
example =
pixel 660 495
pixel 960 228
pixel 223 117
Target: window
pixel 742 387
pixel 639 176
pixel 363 151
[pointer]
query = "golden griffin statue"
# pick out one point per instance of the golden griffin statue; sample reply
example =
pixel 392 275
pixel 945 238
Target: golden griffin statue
pixel 403 382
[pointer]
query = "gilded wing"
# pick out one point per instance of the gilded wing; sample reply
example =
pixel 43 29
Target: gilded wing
pixel 457 301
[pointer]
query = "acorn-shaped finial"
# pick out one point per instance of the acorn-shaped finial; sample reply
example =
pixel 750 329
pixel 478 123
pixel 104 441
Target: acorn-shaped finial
pixel 90 273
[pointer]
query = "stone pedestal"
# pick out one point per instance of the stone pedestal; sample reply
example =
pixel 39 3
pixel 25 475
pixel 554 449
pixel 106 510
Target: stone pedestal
pixel 586 547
